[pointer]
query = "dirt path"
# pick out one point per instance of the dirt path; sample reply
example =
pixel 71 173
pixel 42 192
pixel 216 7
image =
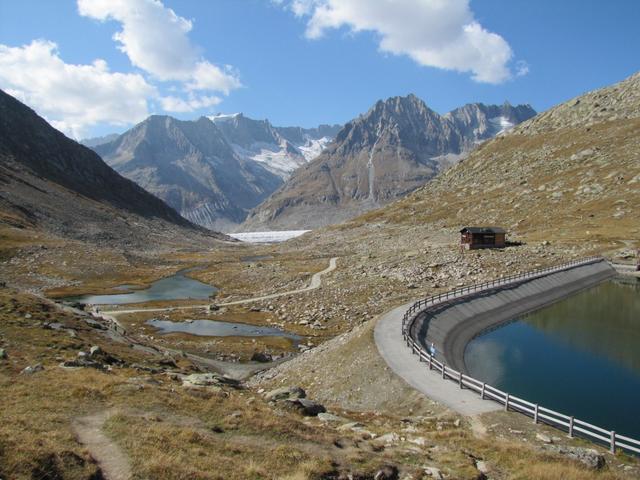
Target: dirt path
pixel 111 459
pixel 477 426
pixel 316 282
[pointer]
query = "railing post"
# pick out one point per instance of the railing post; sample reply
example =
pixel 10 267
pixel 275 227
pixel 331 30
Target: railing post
pixel 571 427
pixel 443 371
pixel 430 360
pixel 613 442
pixel 535 413
pixel 460 380
pixel 482 391
pixel 506 403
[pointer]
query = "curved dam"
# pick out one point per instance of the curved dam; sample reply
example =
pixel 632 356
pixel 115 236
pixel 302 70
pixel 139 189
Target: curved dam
pixel 453 324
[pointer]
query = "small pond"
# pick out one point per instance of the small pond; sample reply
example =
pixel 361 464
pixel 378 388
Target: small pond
pixel 215 328
pixel 175 287
pixel 580 356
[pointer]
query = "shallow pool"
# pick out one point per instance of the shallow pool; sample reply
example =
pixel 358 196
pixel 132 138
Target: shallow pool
pixel 215 328
pixel 174 287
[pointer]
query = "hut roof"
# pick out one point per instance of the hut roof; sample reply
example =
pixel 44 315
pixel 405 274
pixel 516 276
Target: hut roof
pixel 483 230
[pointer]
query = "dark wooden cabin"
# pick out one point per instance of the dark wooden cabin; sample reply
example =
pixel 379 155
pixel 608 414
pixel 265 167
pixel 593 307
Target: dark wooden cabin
pixel 482 237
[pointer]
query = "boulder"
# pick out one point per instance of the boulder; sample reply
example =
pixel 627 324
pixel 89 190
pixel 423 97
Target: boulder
pixel 351 426
pixel 434 472
pixel 304 406
pixel 95 350
pixel 388 439
pixel 388 472
pixel 203 380
pixel 168 361
pixel 420 441
pixel 589 457
pixel 83 363
pixel 543 438
pixel 31 369
pixel 3 354
pixel 285 393
pixel 261 357
pixel 482 467
pixel 329 417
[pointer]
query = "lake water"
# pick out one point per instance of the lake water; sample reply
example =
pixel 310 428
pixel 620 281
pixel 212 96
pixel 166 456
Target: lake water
pixel 175 287
pixel 215 328
pixel 580 357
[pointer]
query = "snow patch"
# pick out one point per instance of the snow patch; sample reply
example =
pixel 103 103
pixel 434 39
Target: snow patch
pixel 222 117
pixel 501 124
pixel 314 147
pixel 274 158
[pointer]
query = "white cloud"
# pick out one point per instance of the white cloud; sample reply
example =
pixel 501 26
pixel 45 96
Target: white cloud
pixel 155 39
pixel 435 33
pixel 522 68
pixel 176 104
pixel 72 97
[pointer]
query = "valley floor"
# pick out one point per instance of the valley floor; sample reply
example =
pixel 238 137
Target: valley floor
pixel 151 403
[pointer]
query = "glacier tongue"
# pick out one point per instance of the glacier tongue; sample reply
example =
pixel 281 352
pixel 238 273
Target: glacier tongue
pixel 267 237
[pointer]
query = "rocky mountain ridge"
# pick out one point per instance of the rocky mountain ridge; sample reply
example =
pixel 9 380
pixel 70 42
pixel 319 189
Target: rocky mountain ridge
pixel 396 147
pixel 51 182
pixel 191 166
pixel 572 172
pixel 213 170
pixel 95 141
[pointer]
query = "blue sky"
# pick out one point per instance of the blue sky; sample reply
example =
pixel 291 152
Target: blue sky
pixel 304 62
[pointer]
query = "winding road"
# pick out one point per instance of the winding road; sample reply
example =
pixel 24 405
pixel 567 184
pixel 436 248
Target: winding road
pixel 316 282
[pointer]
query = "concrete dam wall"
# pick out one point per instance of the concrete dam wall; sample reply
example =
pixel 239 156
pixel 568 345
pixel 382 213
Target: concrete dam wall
pixel 453 324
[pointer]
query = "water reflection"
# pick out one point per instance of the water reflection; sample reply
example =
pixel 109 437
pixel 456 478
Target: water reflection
pixel 579 356
pixel 604 321
pixel 174 287
pixel 487 357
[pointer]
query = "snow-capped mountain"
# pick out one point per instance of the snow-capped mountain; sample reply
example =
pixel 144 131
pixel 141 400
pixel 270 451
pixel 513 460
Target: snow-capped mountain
pixel 396 147
pixel 280 150
pixel 213 170
pixel 478 122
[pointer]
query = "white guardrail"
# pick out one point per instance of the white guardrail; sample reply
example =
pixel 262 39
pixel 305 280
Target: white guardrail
pixel 539 414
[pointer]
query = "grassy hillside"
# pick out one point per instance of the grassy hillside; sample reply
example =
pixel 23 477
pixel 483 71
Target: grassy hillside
pixel 570 174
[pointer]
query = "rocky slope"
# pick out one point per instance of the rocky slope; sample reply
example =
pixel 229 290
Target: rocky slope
pixel 396 147
pixel 192 167
pixel 478 122
pixel 49 181
pixel 572 172
pixel 212 170
pixel 564 183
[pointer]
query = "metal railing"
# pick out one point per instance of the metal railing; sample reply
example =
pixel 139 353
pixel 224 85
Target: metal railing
pixel 539 414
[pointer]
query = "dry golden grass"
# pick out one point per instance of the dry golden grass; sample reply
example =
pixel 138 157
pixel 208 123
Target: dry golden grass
pixel 490 186
pixel 174 433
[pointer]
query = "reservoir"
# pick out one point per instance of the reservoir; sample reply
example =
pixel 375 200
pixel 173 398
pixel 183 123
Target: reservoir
pixel 174 287
pixel 579 356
